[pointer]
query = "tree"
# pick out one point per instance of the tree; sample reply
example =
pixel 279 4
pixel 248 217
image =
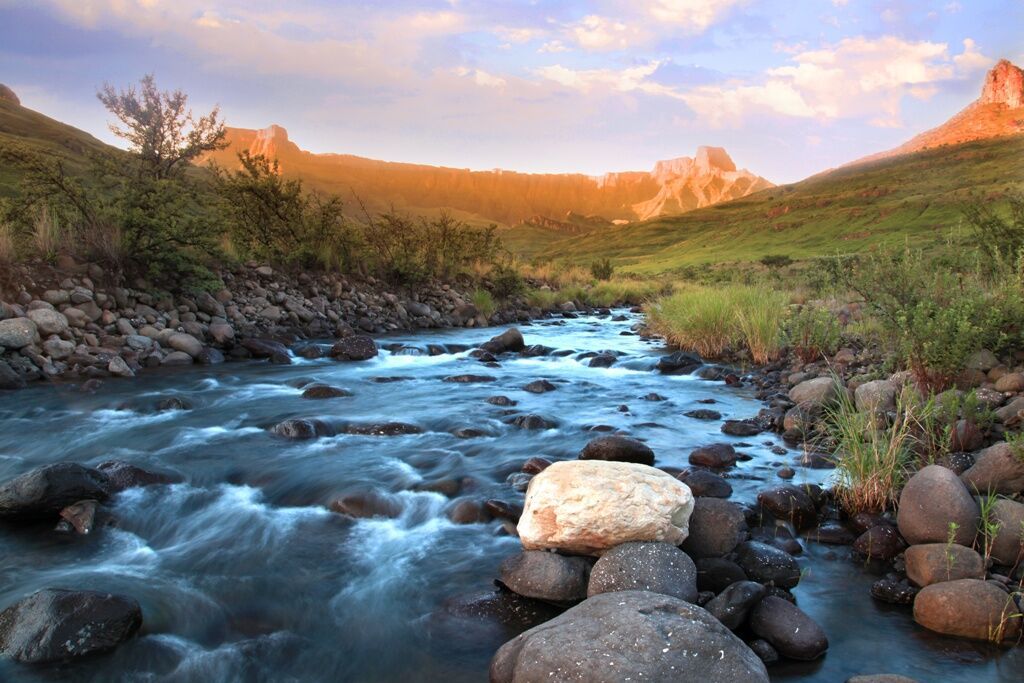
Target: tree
pixel 160 128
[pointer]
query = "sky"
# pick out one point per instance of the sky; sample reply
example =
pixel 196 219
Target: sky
pixel 788 87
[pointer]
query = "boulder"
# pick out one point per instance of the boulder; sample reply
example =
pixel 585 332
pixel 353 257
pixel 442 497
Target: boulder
pixel 789 629
pixel 628 635
pixel 876 396
pixel 678 363
pixel 186 343
pixel 546 576
pixel 767 564
pixel 937 562
pixel 789 503
pixel 45 491
pixel 1008 544
pixel 322 391
pixel 997 469
pixel 17 333
pixel 176 358
pixel 880 542
pixel 715 574
pixel 1011 382
pixel 717 456
pixel 55 625
pixel 716 527
pixel 539 386
pixel 48 321
pixel 265 348
pixel 932 500
pixel 222 334
pixel 509 340
pixel 122 475
pixel 655 567
pixel 618 449
pixel 588 506
pixel 705 484
pixel 732 605
pixel 814 394
pixel 358 347
pixel 968 608
pixel 301 429
pixel 366 505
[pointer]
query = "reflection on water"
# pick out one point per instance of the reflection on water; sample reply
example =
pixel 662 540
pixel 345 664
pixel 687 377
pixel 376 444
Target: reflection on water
pixel 244 575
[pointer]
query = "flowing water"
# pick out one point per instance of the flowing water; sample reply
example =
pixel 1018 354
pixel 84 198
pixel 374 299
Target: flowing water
pixel 244 575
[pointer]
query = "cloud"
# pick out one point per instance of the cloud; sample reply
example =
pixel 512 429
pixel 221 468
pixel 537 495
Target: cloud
pixel 594 32
pixel 694 16
pixel 481 77
pixel 627 80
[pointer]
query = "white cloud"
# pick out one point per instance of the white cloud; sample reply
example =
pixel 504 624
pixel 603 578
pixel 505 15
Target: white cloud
pixel 971 60
pixel 553 46
pixel 694 16
pixel 632 79
pixel 481 77
pixel 594 32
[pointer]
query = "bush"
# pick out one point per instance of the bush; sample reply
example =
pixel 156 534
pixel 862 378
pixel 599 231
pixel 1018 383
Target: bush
pixel 813 333
pixel 775 261
pixel 506 282
pixel 484 303
pixel 1000 238
pixel 602 269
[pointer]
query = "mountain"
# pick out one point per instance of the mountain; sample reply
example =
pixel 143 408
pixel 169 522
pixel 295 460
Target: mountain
pixel 672 187
pixel 998 112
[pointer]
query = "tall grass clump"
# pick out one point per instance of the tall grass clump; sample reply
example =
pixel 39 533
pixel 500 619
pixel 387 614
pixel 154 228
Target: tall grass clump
pixel 813 333
pixel 712 321
pixel 484 302
pixel 8 251
pixel 47 235
pixel 872 463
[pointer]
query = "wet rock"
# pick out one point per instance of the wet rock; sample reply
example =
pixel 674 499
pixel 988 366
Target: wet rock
pixel 323 391
pixel 703 414
pixel 932 499
pixel 654 397
pixel 741 428
pixel 264 348
pixel 173 403
pixel 80 516
pixel 500 401
pixel 487 619
pixel 602 360
pixel 790 503
pixel 678 363
pixel 997 469
pixel 968 608
pixel 367 504
pixel 831 533
pixel 881 542
pixel 1008 544
pixel 818 461
pixel 298 428
pixel 636 635
pixel 715 574
pixel 43 492
pixel 588 506
pixel 764 650
pixel 894 589
pixel 508 341
pixel 716 527
pixel 733 604
pixel 705 484
pixel 469 433
pixel 618 449
pixel 122 475
pixel 536 350
pixel 536 465
pixel 717 456
pixel 310 352
pixel 789 629
pixel 768 565
pixel 384 429
pixel 469 379
pixel 56 625
pixel 533 421
pixel 468 511
pixel 357 347
pixel 546 576
pixel 937 562
pixel 655 567
pixel 500 509
pixel 540 386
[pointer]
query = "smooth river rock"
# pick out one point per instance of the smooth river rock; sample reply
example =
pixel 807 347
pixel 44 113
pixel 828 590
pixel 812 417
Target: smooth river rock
pixel 546 576
pixel 618 449
pixel 933 499
pixel 937 562
pixel 968 608
pixel 655 567
pixel 45 491
pixel 588 506
pixel 788 628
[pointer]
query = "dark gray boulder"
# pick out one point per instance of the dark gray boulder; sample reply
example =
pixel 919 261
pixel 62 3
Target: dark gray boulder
pixel 655 567
pixel 354 348
pixel 509 340
pixel 45 491
pixel 788 629
pixel 767 564
pixel 628 635
pixel 716 527
pixel 546 576
pixel 619 449
pixel 732 605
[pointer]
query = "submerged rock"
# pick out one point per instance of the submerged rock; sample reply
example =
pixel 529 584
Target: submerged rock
pixel 357 347
pixel 43 492
pixel 123 475
pixel 628 635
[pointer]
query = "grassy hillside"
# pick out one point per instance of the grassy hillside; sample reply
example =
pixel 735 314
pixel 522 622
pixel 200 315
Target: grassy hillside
pixel 916 198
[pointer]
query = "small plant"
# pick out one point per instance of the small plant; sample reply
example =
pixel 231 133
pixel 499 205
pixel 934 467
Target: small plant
pixel 989 525
pixel 602 269
pixel 950 541
pixel 814 334
pixel 47 235
pixel 1016 442
pixel 1010 612
pixel 544 299
pixel 484 303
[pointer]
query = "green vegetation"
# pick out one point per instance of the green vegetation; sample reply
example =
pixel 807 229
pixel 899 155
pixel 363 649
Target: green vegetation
pixel 602 269
pixel 989 526
pixel 484 303
pixel 814 333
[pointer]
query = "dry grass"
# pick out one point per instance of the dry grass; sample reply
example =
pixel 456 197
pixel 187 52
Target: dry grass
pixel 47 235
pixel 8 249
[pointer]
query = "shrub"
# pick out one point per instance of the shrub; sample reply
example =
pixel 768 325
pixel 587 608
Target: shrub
pixel 999 237
pixel 775 261
pixel 47 235
pixel 506 282
pixel 813 333
pixel 8 248
pixel 544 299
pixel 602 269
pixel 484 302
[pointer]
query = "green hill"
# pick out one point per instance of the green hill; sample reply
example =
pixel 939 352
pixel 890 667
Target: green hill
pixel 917 198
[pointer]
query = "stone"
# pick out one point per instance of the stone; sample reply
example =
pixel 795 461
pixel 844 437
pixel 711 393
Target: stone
pixel 894 589
pixel 1008 543
pixel 618 449
pixel 715 574
pixel 628 636
pixel 48 322
pixel 789 629
pixel 366 505
pixel 705 484
pixel 983 360
pixel 17 333
pixel 301 429
pixel 717 456
pixel 937 562
pixel 358 347
pixel 968 608
pixel 486 620
pixel 264 348
pixel 816 393
pixel 122 475
pixel 589 506
pixel 881 542
pixel 185 343
pixel 9 378
pixel 533 421
pixel 176 358
pixel 732 605
pixel 119 368
pixel 55 625
pixel 933 499
pixel 703 414
pixel 789 503
pixel 997 469
pixel 546 576
pixel 876 396
pixel 540 386
pixel 58 349
pixel 716 527
pixel 741 428
pixel 43 492
pixel 322 391
pixel 678 363
pixel 468 511
pixel 768 565
pixel 966 436
pixel 508 341
pixel 655 567
pixel 1012 382
pixel 222 333
pixel 1010 414
pixel 80 516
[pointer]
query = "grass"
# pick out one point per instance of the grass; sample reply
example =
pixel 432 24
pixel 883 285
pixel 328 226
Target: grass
pixel 989 525
pixel 872 464
pixel 712 321
pixel 484 302
pixel 8 249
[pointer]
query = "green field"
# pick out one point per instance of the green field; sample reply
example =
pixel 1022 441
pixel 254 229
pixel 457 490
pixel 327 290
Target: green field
pixel 916 199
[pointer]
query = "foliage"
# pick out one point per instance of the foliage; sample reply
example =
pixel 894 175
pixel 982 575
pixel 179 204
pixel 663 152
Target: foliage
pixel 160 129
pixel 484 302
pixel 8 248
pixel 602 269
pixel 775 261
pixel 506 281
pixel 813 333
pixel 989 526
pixel 999 237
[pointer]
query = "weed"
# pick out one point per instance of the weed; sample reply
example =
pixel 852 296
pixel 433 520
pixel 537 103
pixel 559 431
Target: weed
pixel 484 303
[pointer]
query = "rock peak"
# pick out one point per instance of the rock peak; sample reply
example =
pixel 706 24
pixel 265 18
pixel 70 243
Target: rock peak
pixel 1004 84
pixel 273 133
pixel 714 157
pixel 8 95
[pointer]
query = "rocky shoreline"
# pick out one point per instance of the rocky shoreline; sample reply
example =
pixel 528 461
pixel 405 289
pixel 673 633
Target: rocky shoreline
pixel 63 324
